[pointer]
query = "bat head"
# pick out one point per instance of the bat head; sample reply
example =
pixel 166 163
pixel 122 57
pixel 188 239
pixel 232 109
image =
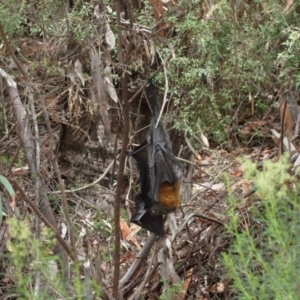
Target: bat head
pixel 159 210
pixel 145 219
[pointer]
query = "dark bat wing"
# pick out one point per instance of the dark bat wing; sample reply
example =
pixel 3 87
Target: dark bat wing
pixel 142 215
pixel 140 155
pixel 144 218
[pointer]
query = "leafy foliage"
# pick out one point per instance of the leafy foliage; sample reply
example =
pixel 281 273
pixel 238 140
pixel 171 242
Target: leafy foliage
pixel 225 60
pixel 224 53
pixel 30 253
pixel 11 18
pixel 33 256
pixel 172 291
pixel 9 189
pixel 263 260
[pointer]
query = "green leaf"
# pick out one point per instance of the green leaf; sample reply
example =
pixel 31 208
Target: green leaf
pixel 10 190
pixel 7 185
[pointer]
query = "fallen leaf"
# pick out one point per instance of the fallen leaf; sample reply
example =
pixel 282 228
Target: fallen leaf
pixel 64 230
pixel 246 186
pixel 126 233
pixel 78 70
pixel 152 50
pixel 204 139
pixel 126 257
pixel 147 49
pixel 70 72
pixel 297 164
pixel 171 221
pixel 169 246
pixel 108 86
pixel 217 288
pixel 287 144
pixel 97 13
pixel 240 184
pixel 188 278
pixel 237 173
pixel 110 37
pixel 124 229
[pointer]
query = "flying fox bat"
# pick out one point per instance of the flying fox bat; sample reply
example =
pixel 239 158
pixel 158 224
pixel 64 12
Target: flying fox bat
pixel 165 169
pixel 159 175
pixel 143 202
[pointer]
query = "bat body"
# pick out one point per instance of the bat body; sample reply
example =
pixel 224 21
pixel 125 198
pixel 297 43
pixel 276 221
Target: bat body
pixel 142 215
pixel 165 170
pixel 159 175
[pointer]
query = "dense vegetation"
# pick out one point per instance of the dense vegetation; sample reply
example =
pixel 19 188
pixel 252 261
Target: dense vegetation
pixel 224 70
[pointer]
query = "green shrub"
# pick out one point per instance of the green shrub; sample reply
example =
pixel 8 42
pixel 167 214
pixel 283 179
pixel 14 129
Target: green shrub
pixel 171 291
pixel 225 61
pixel 29 255
pixel 264 260
pixel 31 258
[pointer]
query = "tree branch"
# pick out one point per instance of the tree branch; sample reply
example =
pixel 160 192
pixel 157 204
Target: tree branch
pixel 117 205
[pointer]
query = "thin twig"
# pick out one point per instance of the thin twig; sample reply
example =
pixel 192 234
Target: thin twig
pixel 138 292
pixel 11 52
pixel 191 146
pixel 38 185
pixel 141 257
pixel 282 126
pixel 87 185
pixel 166 88
pixel 203 216
pixel 58 174
pixel 122 159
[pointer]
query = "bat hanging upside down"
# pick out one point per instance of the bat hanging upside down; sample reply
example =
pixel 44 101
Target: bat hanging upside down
pixel 160 175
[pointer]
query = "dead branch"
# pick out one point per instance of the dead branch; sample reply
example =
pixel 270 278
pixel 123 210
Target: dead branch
pixel 89 184
pixel 125 139
pixel 58 174
pixel 141 257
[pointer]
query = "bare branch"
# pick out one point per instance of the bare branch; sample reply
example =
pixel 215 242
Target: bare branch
pixel 141 257
pixel 58 174
pixel 125 138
